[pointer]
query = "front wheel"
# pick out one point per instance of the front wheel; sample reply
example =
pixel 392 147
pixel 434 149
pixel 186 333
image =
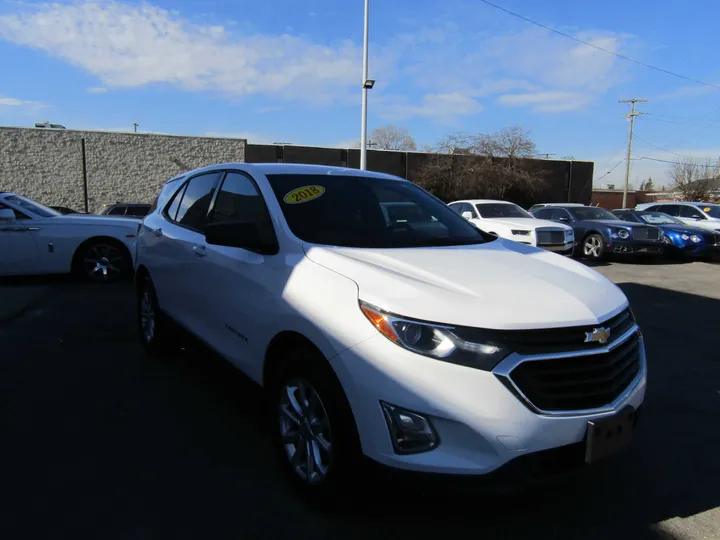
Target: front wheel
pixel 315 433
pixel 103 262
pixel 594 247
pixel 152 325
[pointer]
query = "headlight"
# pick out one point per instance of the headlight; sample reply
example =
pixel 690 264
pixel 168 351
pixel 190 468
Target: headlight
pixel 520 233
pixel 695 238
pixel 436 341
pixel 667 240
pixel 570 233
pixel 623 233
pixel 685 236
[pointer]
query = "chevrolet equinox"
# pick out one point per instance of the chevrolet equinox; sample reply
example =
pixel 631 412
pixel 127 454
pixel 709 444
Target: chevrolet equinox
pixel 413 339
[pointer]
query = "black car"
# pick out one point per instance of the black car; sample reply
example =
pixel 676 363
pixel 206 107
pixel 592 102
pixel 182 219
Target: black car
pixel 135 210
pixel 599 232
pixel 681 239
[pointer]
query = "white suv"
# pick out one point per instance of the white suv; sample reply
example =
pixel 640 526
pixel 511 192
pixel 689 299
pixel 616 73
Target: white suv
pixel 424 344
pixel 704 215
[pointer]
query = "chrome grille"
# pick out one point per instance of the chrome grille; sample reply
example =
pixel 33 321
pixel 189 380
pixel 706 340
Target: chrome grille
pixel 645 233
pixel 550 237
pixel 579 382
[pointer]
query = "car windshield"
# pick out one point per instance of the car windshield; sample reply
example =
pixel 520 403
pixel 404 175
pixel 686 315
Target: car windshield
pixel 658 218
pixel 712 210
pixel 356 211
pixel 589 213
pixel 32 206
pixel 501 210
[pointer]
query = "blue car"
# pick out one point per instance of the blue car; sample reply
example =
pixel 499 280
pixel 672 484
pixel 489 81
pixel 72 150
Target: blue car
pixel 680 239
pixel 598 232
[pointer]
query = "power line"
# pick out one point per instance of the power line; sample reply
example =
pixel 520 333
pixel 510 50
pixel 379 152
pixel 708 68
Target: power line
pixel 678 162
pixel 659 147
pixel 661 70
pixel 611 170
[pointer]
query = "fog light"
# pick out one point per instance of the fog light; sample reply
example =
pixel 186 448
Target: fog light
pixel 411 433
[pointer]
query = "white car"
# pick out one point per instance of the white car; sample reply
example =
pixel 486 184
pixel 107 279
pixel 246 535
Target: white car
pixel 35 239
pixel 705 215
pixel 508 220
pixel 422 342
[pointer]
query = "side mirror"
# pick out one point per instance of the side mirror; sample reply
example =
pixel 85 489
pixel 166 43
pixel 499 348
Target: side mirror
pixel 467 215
pixel 241 235
pixel 7 215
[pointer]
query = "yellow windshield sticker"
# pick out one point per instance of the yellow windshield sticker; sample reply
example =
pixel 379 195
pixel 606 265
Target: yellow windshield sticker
pixel 706 209
pixel 304 194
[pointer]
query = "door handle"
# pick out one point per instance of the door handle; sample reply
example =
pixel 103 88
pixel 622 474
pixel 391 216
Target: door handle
pixel 200 251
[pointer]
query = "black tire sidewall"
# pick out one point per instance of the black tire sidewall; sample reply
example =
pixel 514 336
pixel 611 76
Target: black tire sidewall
pixel 157 344
pixel 125 271
pixel 346 461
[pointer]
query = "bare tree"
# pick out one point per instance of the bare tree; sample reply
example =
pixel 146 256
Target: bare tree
pixel 393 138
pixel 694 180
pixel 483 165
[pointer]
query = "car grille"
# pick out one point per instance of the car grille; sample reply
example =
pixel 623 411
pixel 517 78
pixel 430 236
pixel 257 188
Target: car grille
pixel 646 233
pixel 550 237
pixel 579 382
pixel 552 340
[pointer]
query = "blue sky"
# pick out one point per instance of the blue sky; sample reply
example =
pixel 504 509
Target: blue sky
pixel 290 70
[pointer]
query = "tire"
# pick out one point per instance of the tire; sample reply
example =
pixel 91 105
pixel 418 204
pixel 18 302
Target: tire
pixel 310 413
pixel 593 247
pixel 103 261
pixel 152 324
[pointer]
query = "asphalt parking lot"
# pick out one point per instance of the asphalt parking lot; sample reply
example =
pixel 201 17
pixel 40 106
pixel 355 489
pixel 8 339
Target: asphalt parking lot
pixel 100 441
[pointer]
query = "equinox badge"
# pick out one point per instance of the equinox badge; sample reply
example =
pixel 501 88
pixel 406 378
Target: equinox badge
pixel 598 335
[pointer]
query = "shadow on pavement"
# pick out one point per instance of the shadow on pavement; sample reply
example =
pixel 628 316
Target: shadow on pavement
pixel 103 442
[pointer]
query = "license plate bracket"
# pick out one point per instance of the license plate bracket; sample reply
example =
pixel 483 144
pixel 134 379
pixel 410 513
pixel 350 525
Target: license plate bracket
pixel 606 436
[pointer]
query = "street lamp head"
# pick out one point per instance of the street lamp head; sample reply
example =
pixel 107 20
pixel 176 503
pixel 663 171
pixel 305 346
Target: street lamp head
pixel 369 83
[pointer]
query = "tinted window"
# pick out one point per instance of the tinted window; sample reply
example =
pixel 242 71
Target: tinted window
pixel 558 214
pixel 195 202
pixel 18 214
pixel 627 216
pixel 501 210
pixel 670 209
pixel 712 210
pixel 34 207
pixel 458 207
pixel 117 211
pixel 240 201
pixel 368 212
pixel 690 212
pixel 137 211
pixel 175 203
pixel 543 213
pixel 591 213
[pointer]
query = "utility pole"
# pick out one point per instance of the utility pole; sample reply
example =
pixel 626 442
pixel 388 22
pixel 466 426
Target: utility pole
pixel 631 119
pixel 135 126
pixel 366 85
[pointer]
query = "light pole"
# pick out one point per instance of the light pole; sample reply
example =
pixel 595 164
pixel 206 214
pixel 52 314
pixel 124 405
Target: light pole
pixel 366 85
pixel 631 118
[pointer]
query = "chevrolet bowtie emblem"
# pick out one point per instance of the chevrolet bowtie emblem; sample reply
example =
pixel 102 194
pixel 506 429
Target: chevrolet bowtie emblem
pixel 598 335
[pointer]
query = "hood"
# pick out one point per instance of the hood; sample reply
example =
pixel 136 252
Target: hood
pixel 527 223
pixel 618 223
pixel 499 285
pixel 683 229
pixel 90 220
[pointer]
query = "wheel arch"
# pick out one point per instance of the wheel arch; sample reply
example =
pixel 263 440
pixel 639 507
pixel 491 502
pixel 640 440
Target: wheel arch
pixel 99 238
pixel 287 340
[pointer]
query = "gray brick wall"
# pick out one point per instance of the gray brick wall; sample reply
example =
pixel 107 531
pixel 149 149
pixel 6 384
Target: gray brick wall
pixel 46 165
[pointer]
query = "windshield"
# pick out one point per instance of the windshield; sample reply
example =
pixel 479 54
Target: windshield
pixel 34 207
pixel 501 210
pixel 589 213
pixel 658 218
pixel 354 211
pixel 712 210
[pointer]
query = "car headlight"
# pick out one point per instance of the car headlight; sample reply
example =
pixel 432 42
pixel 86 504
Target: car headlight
pixel 623 233
pixel 695 238
pixel 436 341
pixel 685 236
pixel 520 233
pixel 667 240
pixel 570 233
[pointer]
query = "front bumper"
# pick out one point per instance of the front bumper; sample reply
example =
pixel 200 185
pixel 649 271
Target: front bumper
pixel 482 425
pixel 620 247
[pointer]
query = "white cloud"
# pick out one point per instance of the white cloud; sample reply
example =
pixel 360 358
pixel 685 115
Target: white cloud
pixel 684 92
pixel 131 45
pixel 547 101
pixel 444 108
pixel 14 102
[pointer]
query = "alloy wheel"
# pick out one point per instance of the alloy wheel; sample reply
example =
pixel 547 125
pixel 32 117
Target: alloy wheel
pixel 103 262
pixel 305 431
pixel 592 247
